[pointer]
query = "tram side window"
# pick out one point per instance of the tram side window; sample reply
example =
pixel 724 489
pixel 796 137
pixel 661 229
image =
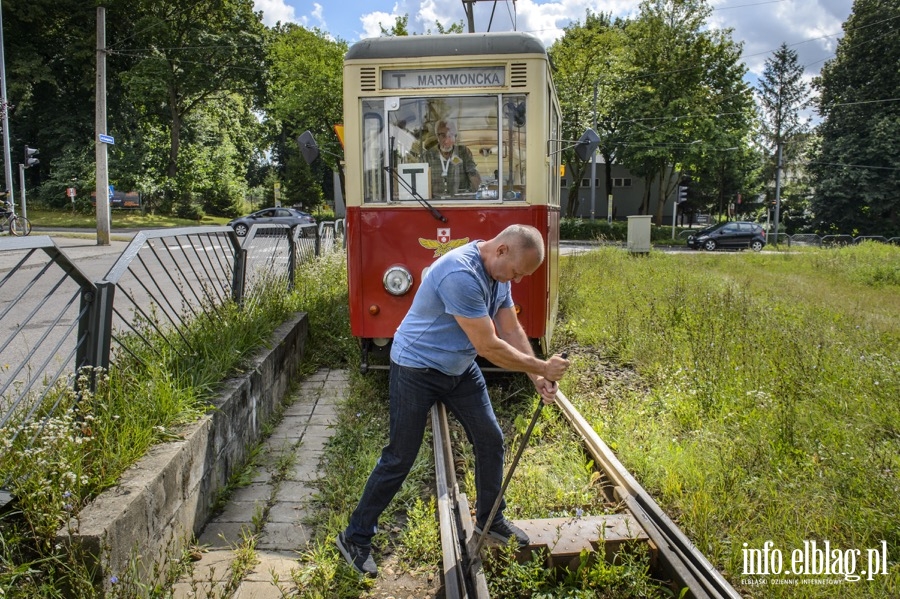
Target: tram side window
pixel 554 190
pixel 513 135
pixel 374 175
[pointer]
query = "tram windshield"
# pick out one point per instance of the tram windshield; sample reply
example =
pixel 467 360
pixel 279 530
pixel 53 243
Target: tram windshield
pixel 450 147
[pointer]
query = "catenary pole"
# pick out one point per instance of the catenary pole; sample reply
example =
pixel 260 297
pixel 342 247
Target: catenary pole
pixel 4 109
pixel 778 192
pixel 100 125
pixel 594 162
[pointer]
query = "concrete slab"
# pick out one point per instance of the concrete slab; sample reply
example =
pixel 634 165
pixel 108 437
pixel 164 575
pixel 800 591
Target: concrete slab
pixel 566 538
pixel 262 590
pixel 252 493
pixel 295 491
pixel 302 406
pixel 224 535
pixel 239 512
pixel 296 424
pixel 261 475
pixel 288 434
pixel 287 511
pixel 307 457
pixel 213 566
pixel 199 590
pixel 283 536
pixel 317 437
pixel 300 437
pixel 304 471
pixel 323 419
pixel 274 567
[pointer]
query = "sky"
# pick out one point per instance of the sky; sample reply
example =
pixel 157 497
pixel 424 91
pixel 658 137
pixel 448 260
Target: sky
pixel 811 27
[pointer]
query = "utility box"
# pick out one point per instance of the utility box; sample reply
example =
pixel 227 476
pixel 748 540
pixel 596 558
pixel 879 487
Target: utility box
pixel 639 234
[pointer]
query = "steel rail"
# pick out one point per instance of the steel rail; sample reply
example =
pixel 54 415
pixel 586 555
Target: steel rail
pixel 684 560
pixel 462 571
pixel 463 577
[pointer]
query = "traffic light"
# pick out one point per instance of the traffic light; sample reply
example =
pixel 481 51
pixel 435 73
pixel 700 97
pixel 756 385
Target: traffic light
pixel 30 160
pixel 682 194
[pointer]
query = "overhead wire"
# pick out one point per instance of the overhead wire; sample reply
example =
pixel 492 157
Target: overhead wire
pixel 187 61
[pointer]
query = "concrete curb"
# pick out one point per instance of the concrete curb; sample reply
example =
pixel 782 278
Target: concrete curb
pixel 164 500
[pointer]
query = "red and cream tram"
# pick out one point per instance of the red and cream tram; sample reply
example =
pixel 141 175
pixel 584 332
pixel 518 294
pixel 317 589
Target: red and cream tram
pixel 447 139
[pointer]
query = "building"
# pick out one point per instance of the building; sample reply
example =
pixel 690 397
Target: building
pixel 627 194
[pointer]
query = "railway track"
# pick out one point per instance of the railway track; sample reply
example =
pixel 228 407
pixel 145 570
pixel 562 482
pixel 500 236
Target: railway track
pixel 676 557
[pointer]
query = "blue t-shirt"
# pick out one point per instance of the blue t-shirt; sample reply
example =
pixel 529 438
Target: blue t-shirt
pixel 457 284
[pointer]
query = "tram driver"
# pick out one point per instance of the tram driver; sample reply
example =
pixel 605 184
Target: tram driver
pixel 452 166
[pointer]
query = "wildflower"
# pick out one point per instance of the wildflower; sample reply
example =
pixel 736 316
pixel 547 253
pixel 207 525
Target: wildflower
pixel 67 494
pixel 68 507
pixel 114 580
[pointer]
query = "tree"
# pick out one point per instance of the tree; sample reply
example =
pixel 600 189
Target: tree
pixel 589 75
pixel 50 54
pixel 688 96
pixel 782 95
pixel 190 57
pixel 306 87
pixel 400 27
pixel 856 168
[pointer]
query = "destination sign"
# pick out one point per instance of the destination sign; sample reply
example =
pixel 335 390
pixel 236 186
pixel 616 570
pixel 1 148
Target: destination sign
pixel 443 78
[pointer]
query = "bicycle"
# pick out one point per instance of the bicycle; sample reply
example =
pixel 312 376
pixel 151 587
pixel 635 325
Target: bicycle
pixel 18 225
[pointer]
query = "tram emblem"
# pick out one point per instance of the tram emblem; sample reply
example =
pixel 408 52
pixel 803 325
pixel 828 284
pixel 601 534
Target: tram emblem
pixel 443 243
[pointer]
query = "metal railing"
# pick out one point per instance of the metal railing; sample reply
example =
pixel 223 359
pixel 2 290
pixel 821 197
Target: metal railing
pixel 55 320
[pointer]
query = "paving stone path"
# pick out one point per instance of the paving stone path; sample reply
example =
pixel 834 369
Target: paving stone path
pixel 303 431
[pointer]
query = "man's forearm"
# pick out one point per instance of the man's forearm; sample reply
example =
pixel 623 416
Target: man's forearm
pixel 505 355
pixel 520 342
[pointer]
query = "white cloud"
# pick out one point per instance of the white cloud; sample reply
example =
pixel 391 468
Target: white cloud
pixel 373 22
pixel 275 11
pixel 317 15
pixel 762 25
pixel 810 27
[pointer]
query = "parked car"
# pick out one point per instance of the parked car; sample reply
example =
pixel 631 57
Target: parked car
pixel 734 235
pixel 269 216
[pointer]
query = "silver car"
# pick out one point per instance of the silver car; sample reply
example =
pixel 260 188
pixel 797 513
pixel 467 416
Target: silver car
pixel 267 216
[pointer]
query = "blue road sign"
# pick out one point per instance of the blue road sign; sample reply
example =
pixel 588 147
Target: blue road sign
pixel 112 191
pixel 107 139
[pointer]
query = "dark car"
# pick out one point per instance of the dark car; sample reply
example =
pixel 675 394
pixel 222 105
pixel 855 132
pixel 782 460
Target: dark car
pixel 270 216
pixel 731 235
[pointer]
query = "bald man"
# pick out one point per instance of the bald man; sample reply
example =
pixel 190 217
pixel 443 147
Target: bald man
pixel 463 309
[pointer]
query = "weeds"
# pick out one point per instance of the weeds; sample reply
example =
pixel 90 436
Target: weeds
pixel 58 463
pixel 627 576
pixel 766 407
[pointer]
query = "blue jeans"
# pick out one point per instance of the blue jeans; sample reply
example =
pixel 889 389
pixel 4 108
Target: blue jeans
pixel 413 391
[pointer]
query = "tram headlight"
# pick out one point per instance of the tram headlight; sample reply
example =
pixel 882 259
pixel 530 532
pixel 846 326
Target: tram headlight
pixel 397 280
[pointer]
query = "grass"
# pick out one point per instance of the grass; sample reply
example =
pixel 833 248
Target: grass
pixel 785 432
pixel 120 219
pixel 135 219
pixel 555 478
pixel 763 400
pixel 94 437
